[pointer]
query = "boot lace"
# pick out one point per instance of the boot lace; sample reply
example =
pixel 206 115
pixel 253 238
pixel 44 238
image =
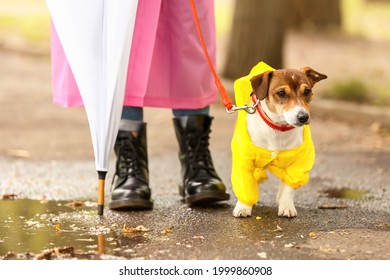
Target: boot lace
pixel 128 163
pixel 199 156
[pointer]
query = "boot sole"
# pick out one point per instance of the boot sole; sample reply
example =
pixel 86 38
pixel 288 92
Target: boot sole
pixel 131 204
pixel 206 197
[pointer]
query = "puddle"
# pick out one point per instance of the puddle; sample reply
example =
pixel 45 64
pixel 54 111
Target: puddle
pixel 54 229
pixel 346 193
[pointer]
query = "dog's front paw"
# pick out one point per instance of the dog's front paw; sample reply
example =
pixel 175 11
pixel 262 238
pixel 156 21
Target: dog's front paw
pixel 287 210
pixel 242 210
pixel 286 202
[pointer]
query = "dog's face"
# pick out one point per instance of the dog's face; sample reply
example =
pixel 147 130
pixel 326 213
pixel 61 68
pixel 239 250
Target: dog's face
pixel 288 92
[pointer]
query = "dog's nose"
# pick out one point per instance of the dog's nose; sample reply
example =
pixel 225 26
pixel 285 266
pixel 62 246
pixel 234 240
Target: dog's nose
pixel 303 117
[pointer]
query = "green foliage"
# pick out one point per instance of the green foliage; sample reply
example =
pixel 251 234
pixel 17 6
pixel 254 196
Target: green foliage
pixel 354 90
pixel 381 96
pixel 349 90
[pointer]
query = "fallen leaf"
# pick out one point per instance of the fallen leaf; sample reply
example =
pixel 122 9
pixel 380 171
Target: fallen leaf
pixel 278 228
pixel 327 250
pixel 58 227
pixel 9 196
pixel 140 228
pixel 198 237
pixel 329 206
pixel 312 234
pixel 262 255
pixel 258 218
pixel 166 231
pixel 86 239
pixel 48 254
pixel 75 204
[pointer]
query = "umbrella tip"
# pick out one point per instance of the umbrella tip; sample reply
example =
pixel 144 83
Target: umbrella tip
pixel 100 210
pixel 102 178
pixel 102 175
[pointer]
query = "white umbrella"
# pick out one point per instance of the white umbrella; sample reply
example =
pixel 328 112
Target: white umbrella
pixel 96 36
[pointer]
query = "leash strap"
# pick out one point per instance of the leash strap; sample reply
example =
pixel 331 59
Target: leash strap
pixel 227 102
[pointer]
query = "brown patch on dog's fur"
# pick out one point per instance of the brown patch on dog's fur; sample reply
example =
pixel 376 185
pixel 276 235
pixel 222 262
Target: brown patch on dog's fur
pixel 285 88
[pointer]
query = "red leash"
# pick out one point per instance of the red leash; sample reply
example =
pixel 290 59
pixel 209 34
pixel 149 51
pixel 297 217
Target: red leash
pixel 227 102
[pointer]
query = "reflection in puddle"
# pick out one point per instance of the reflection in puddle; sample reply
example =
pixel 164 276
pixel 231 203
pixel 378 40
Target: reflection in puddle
pixel 30 228
pixel 346 193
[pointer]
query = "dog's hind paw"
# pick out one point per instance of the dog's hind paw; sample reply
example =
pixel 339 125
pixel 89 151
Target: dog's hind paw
pixel 242 210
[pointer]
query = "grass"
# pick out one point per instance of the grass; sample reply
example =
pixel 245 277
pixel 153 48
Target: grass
pixel 351 90
pixel 354 90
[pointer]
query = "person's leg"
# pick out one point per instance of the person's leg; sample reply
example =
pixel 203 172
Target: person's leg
pixel 189 112
pixel 131 117
pixel 201 183
pixel 131 185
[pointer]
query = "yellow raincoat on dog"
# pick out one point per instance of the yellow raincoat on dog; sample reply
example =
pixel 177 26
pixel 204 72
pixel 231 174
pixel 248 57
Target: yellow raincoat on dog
pixel 250 162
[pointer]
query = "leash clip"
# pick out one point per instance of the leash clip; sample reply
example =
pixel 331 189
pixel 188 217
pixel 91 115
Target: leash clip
pixel 250 109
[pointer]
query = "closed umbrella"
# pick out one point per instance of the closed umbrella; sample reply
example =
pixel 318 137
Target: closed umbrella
pixel 96 36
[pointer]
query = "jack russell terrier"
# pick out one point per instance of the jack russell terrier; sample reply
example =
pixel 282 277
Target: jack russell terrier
pixel 275 138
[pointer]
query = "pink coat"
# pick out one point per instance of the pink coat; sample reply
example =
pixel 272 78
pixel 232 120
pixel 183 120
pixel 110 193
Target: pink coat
pixel 167 67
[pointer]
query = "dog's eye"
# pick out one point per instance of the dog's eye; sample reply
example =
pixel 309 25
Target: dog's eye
pixel 282 94
pixel 307 92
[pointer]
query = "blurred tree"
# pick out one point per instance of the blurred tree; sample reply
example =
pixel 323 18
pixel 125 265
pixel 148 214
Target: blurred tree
pixel 318 14
pixel 259 28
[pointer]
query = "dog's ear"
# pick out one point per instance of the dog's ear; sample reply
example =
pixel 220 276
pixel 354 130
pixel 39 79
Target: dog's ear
pixel 313 75
pixel 260 84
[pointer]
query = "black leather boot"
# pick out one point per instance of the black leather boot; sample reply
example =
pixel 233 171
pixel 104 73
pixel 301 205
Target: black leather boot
pixel 201 184
pixel 131 181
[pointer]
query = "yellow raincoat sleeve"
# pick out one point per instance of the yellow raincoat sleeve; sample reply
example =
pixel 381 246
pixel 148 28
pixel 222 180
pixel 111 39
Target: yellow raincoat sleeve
pixel 245 175
pixel 292 166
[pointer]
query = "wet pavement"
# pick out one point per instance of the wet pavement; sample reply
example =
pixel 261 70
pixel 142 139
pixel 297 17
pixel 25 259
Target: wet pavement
pixel 343 213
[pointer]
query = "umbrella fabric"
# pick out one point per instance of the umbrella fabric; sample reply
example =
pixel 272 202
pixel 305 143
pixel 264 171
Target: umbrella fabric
pixel 167 67
pixel 96 37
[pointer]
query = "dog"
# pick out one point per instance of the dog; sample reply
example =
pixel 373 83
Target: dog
pixel 276 137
